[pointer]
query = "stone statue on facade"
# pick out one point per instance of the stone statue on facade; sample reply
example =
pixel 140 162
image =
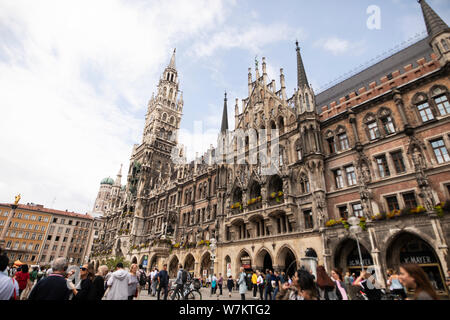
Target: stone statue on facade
pixel 418 160
pixel 365 173
pixel 320 205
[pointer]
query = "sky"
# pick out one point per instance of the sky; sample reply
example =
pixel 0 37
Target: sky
pixel 76 76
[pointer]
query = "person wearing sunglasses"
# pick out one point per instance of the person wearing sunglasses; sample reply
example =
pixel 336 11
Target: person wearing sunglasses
pixel 81 291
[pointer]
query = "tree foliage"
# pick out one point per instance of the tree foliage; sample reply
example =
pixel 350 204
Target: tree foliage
pixel 111 263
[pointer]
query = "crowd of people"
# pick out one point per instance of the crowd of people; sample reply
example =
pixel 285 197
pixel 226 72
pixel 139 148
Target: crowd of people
pixel 303 285
pixel 57 283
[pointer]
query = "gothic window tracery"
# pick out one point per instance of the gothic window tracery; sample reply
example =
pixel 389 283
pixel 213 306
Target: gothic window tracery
pixel 304 184
pixel 385 116
pixel 440 99
pixel 298 148
pixel 423 107
pixel 371 126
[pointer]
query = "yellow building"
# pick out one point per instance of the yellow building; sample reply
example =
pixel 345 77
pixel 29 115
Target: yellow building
pixel 26 229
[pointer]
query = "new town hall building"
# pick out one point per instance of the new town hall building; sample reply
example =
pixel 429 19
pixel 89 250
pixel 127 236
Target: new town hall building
pixel 374 146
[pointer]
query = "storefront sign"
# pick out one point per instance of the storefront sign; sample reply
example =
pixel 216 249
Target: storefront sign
pixel 354 261
pixel 145 263
pixel 357 263
pixel 247 266
pixel 417 259
pixel 228 269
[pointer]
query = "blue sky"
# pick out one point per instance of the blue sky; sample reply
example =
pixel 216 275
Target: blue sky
pixel 76 76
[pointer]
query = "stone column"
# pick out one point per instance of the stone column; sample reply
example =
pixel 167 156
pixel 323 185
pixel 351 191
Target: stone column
pixel 352 120
pixel 196 268
pixel 400 107
pixel 316 135
pixel 442 249
pixel 327 263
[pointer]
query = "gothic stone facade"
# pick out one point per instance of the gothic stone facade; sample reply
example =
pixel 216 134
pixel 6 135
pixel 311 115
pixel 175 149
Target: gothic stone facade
pixel 372 146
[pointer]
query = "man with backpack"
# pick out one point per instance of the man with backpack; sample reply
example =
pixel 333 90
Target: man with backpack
pixel 180 281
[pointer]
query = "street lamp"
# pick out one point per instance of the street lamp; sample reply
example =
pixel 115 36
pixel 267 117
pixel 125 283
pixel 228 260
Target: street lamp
pixel 212 247
pixel 355 229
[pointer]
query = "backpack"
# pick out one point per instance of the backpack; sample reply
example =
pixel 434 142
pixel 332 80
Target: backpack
pixel 184 276
pixel 142 279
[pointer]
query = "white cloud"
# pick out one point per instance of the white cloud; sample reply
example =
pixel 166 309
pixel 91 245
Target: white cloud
pixel 252 38
pixel 338 46
pixel 75 77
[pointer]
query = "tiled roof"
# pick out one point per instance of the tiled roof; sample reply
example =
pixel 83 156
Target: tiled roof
pixel 397 61
pixel 51 211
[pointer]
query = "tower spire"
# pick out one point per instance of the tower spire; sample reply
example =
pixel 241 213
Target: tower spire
pixel 302 80
pixel 172 60
pixel 119 176
pixel 435 25
pixel 224 127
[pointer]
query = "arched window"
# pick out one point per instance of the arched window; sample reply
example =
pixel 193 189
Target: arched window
pixel 164 117
pixel 331 141
pixel 371 124
pixel 307 101
pixel 420 100
pixel 384 114
pixel 441 99
pixel 298 148
pixel 304 184
pixel 171 94
pixel 281 124
pixel 205 190
pixel 342 138
pixel 281 156
pixel 172 120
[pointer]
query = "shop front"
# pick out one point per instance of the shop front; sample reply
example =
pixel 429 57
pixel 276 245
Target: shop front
pixel 347 258
pixel 409 248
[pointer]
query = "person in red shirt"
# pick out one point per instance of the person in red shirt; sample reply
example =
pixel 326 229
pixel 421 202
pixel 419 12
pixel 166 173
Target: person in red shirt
pixel 22 277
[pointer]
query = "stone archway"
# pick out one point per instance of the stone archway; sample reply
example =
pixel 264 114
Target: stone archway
pixel 264 260
pixel 407 247
pixel 287 261
pixel 189 263
pixel 243 260
pixel 134 260
pixel 153 262
pixel 173 267
pixel 346 256
pixel 205 265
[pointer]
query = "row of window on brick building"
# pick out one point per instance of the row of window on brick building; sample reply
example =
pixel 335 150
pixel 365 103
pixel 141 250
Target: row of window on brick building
pixel 382 124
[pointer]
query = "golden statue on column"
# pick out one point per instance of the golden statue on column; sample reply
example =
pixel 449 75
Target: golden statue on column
pixel 17 199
